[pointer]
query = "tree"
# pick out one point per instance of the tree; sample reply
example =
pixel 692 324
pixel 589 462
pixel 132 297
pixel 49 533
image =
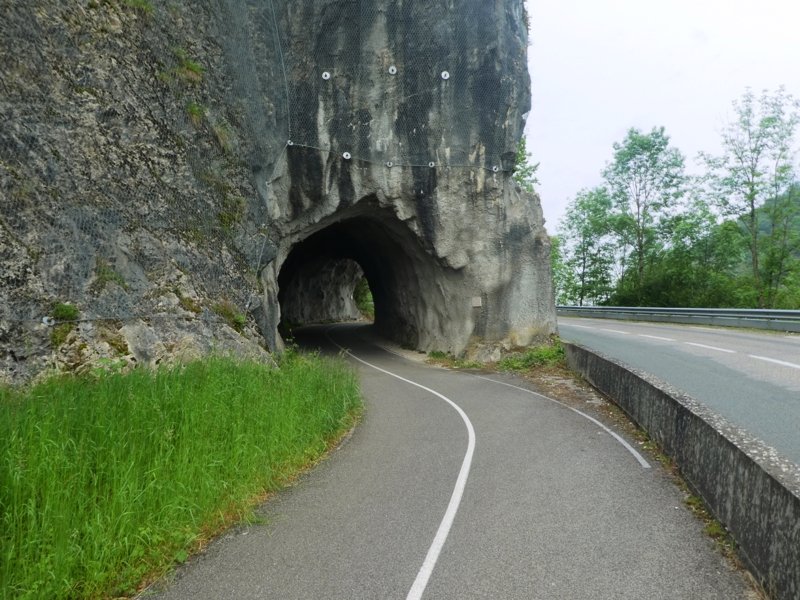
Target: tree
pixel 588 249
pixel 756 167
pixel 524 170
pixel 645 179
pixel 563 280
pixel 780 223
pixel 699 262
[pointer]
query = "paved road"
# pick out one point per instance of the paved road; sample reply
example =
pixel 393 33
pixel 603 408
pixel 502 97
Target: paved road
pixel 751 378
pixel 552 506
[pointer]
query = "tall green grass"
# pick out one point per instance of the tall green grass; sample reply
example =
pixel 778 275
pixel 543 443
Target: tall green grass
pixel 104 481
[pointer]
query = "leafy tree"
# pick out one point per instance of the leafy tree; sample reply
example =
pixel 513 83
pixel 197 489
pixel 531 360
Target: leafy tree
pixel 645 179
pixel 362 295
pixel 563 280
pixel 756 167
pixel 524 170
pixel 697 267
pixel 588 248
pixel 781 247
pixel 733 241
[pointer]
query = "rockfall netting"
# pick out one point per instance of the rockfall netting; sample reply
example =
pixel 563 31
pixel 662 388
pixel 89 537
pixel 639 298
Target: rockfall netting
pixel 139 140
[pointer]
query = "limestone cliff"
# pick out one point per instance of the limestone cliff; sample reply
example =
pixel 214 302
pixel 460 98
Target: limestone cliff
pixel 167 167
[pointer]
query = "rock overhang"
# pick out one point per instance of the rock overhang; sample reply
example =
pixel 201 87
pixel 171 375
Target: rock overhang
pixel 172 162
pixel 413 291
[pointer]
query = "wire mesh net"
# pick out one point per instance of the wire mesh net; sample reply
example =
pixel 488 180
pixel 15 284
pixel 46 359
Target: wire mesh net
pixel 399 70
pixel 138 139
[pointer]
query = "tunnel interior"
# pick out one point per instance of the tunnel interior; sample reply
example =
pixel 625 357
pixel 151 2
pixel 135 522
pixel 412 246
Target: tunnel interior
pixel 406 282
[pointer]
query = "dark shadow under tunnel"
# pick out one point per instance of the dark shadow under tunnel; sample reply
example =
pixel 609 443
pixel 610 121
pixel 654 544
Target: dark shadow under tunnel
pixel 403 277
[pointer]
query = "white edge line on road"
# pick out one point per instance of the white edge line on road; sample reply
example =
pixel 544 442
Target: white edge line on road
pixel 710 347
pixel 617 437
pixel 574 325
pixel 425 571
pixel 615 331
pixel 656 337
pixel 776 361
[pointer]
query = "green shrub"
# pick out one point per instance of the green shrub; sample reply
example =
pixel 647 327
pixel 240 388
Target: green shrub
pixel 223 136
pixel 65 316
pixel 549 355
pixel 143 6
pixel 231 314
pixel 196 113
pixel 232 211
pixel 59 333
pixel 65 312
pixel 187 70
pixel 188 304
pixel 104 274
pixel 362 296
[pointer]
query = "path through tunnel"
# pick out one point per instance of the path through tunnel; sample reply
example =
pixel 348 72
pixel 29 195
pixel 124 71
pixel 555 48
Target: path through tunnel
pixel 409 286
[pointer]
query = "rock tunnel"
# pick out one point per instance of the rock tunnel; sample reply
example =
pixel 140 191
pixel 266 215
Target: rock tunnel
pixel 325 139
pixel 409 286
pixel 402 126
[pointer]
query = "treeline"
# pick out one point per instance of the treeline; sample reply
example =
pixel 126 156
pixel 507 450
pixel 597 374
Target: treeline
pixel 652 235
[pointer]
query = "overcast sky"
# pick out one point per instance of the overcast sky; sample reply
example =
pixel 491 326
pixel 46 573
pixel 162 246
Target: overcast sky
pixel 600 67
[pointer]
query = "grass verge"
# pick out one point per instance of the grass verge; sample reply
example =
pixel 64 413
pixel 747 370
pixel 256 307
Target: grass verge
pixel 106 481
pixel 547 356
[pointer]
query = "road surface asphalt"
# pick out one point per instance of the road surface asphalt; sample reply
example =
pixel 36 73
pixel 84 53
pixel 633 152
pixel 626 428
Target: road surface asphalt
pixel 552 505
pixel 752 378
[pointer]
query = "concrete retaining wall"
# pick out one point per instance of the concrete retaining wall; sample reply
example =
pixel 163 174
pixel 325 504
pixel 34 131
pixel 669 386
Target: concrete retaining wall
pixel 751 490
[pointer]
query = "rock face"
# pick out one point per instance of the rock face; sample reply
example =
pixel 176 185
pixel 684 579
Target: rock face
pixel 169 169
pixel 320 291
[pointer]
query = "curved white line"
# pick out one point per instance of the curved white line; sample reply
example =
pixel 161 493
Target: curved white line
pixel 621 440
pixel 425 571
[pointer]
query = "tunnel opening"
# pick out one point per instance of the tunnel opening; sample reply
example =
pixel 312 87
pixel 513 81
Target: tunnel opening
pixel 323 290
pixel 319 279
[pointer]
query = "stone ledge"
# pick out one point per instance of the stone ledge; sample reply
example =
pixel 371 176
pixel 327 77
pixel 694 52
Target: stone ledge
pixel 749 488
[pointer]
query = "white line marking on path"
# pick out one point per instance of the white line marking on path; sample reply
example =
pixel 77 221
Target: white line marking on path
pixel 615 331
pixel 710 347
pixel 776 361
pixel 622 441
pixel 574 325
pixel 425 571
pixel 656 337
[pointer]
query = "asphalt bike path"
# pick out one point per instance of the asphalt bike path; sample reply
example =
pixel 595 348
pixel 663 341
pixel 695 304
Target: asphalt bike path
pixel 550 504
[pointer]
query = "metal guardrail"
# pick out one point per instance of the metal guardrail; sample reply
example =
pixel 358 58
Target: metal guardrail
pixel 776 320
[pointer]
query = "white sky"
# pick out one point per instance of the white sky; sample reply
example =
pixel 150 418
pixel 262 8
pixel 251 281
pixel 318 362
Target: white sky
pixel 600 67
